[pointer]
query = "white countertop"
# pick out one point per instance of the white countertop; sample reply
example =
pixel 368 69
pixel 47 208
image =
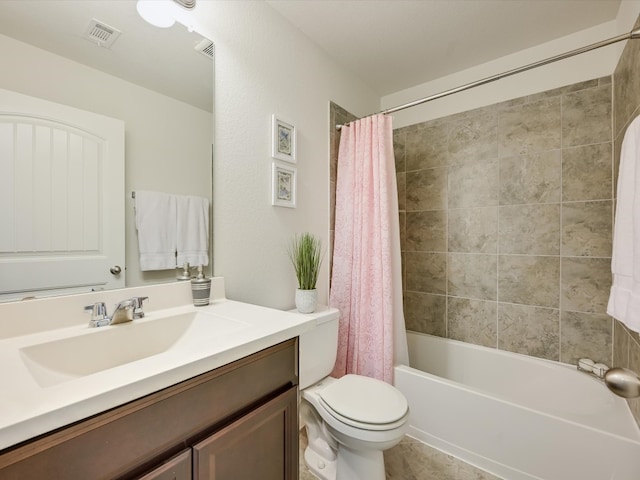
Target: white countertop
pixel 28 409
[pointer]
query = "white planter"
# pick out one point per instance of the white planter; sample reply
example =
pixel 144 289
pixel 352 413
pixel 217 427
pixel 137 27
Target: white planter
pixel 306 300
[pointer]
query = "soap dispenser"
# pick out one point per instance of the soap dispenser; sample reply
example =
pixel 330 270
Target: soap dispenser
pixel 200 289
pixel 186 273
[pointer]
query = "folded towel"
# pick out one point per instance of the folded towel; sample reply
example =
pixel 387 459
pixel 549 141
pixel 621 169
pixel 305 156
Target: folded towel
pixel 193 230
pixel 156 225
pixel 624 300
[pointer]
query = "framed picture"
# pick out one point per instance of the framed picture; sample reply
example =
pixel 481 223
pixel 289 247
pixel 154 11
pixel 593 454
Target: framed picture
pixel 283 185
pixel 283 141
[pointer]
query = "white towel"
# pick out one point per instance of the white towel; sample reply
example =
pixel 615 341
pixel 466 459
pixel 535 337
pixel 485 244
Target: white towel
pixel 624 300
pixel 193 230
pixel 156 225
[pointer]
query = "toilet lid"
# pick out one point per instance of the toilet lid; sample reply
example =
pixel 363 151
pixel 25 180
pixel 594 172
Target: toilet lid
pixel 365 400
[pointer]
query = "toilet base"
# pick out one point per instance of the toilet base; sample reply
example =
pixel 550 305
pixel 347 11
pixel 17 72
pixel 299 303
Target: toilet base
pixel 321 467
pixel 360 465
pixel 350 465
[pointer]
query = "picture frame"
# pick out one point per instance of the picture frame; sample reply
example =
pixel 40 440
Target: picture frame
pixel 283 140
pixel 283 185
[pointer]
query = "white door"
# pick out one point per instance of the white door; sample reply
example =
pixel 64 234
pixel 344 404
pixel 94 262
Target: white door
pixel 61 198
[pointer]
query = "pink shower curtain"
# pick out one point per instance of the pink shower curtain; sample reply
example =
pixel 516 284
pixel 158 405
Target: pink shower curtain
pixel 366 284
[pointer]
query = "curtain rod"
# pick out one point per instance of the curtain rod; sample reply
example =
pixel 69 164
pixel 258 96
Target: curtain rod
pixel 625 36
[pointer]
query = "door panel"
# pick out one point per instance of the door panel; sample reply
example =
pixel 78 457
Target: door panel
pixel 62 197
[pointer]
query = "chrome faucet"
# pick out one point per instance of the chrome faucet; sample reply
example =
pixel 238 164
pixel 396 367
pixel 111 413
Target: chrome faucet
pixel 125 311
pixel 137 307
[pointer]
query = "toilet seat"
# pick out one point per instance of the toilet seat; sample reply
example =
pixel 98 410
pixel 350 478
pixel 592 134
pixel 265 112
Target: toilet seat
pixel 349 400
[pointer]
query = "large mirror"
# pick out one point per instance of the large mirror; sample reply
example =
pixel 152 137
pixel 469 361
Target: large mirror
pixel 102 57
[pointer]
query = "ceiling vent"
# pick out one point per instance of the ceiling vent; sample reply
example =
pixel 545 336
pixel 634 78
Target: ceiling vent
pixel 205 47
pixel 101 33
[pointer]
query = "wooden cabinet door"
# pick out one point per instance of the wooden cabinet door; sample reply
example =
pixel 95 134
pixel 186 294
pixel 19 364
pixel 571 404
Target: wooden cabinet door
pixel 177 468
pixel 263 444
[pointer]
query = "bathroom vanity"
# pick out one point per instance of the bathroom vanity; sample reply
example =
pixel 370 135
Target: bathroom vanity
pixel 219 407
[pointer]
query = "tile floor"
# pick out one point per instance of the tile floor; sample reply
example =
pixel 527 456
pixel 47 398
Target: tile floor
pixel 413 460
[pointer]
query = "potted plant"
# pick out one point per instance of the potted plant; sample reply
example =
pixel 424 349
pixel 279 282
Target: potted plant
pixel 306 256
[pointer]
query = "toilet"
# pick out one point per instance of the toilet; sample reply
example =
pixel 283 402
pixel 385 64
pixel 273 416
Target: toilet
pixel 350 421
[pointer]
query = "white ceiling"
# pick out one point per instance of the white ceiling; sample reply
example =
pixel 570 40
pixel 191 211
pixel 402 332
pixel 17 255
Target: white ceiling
pixel 397 44
pixel 163 60
pixel 390 44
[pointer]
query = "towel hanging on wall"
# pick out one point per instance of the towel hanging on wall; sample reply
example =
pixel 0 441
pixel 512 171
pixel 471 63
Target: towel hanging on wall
pixel 624 300
pixel 192 230
pixel 156 225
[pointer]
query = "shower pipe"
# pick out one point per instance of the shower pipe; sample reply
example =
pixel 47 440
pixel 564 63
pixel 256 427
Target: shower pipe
pixel 634 34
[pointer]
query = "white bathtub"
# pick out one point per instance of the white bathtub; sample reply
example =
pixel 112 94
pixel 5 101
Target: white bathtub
pixel 517 417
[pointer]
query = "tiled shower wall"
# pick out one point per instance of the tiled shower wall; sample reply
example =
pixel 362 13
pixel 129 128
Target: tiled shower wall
pixel 626 94
pixel 337 116
pixel 506 221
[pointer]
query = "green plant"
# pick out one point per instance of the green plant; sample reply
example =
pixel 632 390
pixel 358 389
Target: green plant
pixel 306 256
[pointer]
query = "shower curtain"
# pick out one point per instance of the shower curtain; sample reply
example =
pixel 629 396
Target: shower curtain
pixel 366 281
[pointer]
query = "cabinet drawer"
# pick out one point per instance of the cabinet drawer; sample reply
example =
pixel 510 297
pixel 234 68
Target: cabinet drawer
pixel 131 439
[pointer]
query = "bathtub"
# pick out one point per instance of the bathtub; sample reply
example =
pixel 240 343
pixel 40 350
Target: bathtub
pixel 517 417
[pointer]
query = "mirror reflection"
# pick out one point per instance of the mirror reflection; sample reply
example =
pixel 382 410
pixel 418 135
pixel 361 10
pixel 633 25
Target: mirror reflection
pixel 158 83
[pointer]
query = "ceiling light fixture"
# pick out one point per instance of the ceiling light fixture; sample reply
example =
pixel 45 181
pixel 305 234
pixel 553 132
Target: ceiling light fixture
pixel 162 13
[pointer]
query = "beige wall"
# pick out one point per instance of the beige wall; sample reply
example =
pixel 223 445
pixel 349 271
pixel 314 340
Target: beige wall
pixel 626 94
pixel 167 142
pixel 595 64
pixel 264 66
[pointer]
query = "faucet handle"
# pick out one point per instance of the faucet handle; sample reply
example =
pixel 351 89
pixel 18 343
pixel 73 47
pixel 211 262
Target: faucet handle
pixel 137 306
pixel 98 314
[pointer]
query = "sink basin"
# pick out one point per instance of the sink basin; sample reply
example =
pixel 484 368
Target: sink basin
pixel 103 348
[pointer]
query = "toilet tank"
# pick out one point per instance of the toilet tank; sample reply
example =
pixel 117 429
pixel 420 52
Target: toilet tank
pixel 318 347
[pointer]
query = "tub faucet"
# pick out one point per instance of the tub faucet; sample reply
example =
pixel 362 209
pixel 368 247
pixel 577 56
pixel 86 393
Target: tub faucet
pixel 124 312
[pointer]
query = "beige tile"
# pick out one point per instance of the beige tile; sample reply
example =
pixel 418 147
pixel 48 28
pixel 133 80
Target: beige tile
pixel 528 128
pixel 529 229
pixel 474 138
pixel 617 149
pixel 605 80
pixel 401 179
pixel 585 335
pixel 626 81
pixel 532 178
pixel 403 230
pixel 472 275
pixel 621 341
pixel 472 321
pixel 426 231
pixel 586 173
pixel 472 114
pixel 634 364
pixel 426 147
pixel 473 184
pixel 587 229
pixel 399 141
pixel 425 313
pixel 585 284
pixel 413 460
pixel 529 280
pixel 575 87
pixel 586 116
pixel 332 205
pixel 426 272
pixel 529 330
pixel 473 230
pixel 426 189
